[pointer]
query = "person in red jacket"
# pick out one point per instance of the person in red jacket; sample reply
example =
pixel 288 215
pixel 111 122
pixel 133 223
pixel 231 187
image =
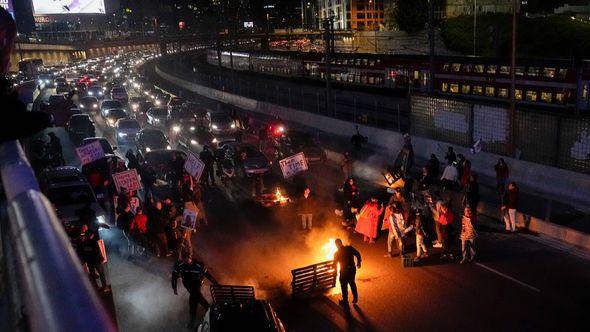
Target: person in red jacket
pixel 138 230
pixel 510 206
pixel 445 219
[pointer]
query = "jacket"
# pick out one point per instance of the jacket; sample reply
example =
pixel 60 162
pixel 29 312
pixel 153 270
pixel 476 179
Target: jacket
pixel 446 218
pixel 306 205
pixel 139 224
pixel 512 199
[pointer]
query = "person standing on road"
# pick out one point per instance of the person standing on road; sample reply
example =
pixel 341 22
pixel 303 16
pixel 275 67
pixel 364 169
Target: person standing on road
pixel 132 161
pixel 445 219
pixel 472 197
pixel 346 166
pixel 369 219
pixel 91 255
pixel 344 257
pixel 468 235
pixel 124 223
pixel 192 274
pixel 450 156
pixel 502 175
pixel 306 208
pixel 351 198
pixel 421 250
pixel 450 176
pixel 433 166
pixel 435 210
pixel 56 150
pixel 397 226
pixel 209 160
pixel 138 232
pixel 161 225
pixel 357 141
pixel 510 207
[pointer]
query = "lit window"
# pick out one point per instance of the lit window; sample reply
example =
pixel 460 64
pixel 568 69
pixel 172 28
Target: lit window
pixel 416 74
pixel 533 71
pixel 504 70
pixel 490 91
pixel 546 96
pixel 444 87
pixel 446 67
pixel 456 67
pixel 454 88
pixel 503 92
pixel 371 80
pixel 477 90
pixel 467 68
pixel 519 71
pixel 492 69
pixel 549 72
pixel 531 95
pixel 562 73
pixel 559 98
pixel 371 62
pixel 585 91
pixel 518 94
pixel 478 69
pixel 466 89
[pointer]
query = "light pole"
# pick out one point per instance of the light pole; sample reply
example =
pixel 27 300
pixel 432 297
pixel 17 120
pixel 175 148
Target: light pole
pixel 512 111
pixel 431 46
pixel 328 37
pixel 474 24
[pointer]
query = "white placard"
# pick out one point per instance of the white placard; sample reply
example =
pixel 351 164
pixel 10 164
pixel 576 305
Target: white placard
pixel 194 166
pixel 189 219
pixel 293 165
pixel 128 180
pixel 90 152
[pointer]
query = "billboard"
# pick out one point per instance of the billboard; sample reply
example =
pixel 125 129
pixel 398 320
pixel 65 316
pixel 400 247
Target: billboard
pixel 47 7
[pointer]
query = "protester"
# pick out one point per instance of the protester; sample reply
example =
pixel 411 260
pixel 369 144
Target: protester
pixel 306 209
pixel 344 258
pixel 450 176
pixel 369 219
pixel 132 161
pixel 397 227
pixel 357 141
pixel 208 176
pixel 472 197
pixel 124 223
pixel 425 180
pixel 468 235
pixel 192 274
pixel 55 149
pixel 160 227
pixel 435 209
pixel 346 166
pixel 450 156
pixel 351 197
pixel 465 173
pixel 433 166
pixel 502 175
pixel 510 207
pixel 138 232
pixel 445 219
pixel 421 250
pixel 90 254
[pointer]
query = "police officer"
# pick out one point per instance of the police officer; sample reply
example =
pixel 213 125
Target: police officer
pixel 344 256
pixel 192 274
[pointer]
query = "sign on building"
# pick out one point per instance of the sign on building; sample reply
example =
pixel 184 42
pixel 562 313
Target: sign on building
pixel 90 152
pixel 293 165
pixel 128 180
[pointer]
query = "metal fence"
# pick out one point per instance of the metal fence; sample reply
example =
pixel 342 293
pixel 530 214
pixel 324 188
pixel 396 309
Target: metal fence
pixel 540 137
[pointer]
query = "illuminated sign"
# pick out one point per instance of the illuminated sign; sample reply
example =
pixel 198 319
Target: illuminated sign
pixel 45 7
pixel 248 24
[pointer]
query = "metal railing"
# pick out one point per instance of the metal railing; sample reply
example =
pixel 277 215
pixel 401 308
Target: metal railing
pixel 49 290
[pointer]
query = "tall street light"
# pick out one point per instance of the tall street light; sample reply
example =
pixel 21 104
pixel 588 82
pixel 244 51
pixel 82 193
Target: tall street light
pixel 512 111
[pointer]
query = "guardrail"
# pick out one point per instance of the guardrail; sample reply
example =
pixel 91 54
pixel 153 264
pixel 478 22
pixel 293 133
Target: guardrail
pixel 49 290
pixel 313 278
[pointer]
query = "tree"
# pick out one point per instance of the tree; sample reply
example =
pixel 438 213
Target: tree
pixel 411 15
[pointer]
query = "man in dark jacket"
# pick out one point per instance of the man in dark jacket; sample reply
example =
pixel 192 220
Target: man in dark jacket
pixel 90 254
pixel 124 222
pixel 192 274
pixel 344 257
pixel 160 227
pixel 510 207
pixel 209 160
pixel 306 207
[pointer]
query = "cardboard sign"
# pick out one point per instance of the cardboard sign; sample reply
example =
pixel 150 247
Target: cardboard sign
pixel 134 203
pixel 90 152
pixel 194 166
pixel 189 219
pixel 127 179
pixel 293 165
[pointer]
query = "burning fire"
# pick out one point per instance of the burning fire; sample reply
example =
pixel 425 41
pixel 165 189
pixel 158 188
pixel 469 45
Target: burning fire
pixel 329 249
pixel 280 198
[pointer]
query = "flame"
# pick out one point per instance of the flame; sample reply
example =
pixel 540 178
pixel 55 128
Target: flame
pixel 280 198
pixel 329 249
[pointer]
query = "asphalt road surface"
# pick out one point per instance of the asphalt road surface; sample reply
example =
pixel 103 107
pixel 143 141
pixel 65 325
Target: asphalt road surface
pixel 519 281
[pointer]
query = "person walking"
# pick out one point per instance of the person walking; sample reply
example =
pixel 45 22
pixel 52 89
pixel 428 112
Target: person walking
pixel 450 156
pixel 502 175
pixel 433 166
pixel 123 223
pixel 421 250
pixel 351 198
pixel 472 197
pixel 192 274
pixel 357 141
pixel 435 210
pixel 306 208
pixel 160 227
pixel 138 232
pixel 450 176
pixel 90 254
pixel 369 219
pixel 397 226
pixel 344 258
pixel 445 219
pixel 208 159
pixel 510 207
pixel 468 235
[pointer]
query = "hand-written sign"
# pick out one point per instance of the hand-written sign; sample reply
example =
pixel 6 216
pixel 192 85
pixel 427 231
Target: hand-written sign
pixel 128 180
pixel 90 152
pixel 194 166
pixel 293 165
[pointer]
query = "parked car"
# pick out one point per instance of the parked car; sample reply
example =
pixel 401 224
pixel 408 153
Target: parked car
pixel 108 104
pixel 104 143
pixel 56 99
pixel 157 117
pixel 114 115
pixel 79 127
pixel 164 162
pixel 151 140
pixel 89 103
pixel 247 158
pixel 126 130
pixel 194 140
pixel 67 188
pixel 62 87
pixel 120 94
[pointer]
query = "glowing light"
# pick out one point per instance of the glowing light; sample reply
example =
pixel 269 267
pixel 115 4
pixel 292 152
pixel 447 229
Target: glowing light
pixel 329 249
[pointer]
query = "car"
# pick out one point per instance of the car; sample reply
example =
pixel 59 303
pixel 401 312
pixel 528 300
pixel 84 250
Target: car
pixel 180 118
pixel 120 94
pixel 135 102
pixel 197 109
pixel 194 140
pixel 67 189
pixel 89 103
pixel 161 98
pixel 104 143
pixel 151 140
pixel 220 123
pixel 79 127
pixel 46 80
pixel 295 141
pixel 248 158
pixel 56 99
pixel 175 101
pixel 157 116
pixel 96 91
pixel 126 130
pixel 114 115
pixel 108 104
pixel 235 308
pixel 164 162
pixel 62 87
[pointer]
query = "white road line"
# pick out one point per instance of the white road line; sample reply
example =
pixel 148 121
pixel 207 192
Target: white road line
pixel 508 277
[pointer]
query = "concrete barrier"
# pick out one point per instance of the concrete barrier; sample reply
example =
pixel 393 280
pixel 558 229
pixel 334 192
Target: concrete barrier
pixel 561 185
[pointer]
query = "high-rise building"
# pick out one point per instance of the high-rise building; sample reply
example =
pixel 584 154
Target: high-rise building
pixel 354 14
pixel 309 15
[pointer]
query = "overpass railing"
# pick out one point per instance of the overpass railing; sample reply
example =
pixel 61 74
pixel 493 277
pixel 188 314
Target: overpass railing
pixel 48 290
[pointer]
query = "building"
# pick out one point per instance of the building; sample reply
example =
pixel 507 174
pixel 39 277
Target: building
pixel 309 15
pixel 354 14
pixel 456 8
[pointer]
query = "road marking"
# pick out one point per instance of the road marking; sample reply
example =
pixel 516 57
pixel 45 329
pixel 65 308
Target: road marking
pixel 508 277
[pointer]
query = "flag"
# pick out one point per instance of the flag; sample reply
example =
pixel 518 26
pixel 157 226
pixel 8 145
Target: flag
pixel 476 147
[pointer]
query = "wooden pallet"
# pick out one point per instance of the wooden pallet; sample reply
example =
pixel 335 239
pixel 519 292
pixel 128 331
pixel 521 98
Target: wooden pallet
pixel 231 293
pixel 313 278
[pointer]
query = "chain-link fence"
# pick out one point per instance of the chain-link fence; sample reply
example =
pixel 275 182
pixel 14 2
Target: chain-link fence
pixel 539 137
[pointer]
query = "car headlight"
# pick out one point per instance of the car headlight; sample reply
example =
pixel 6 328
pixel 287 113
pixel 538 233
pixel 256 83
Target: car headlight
pixel 111 121
pixel 233 125
pixel 147 149
pixel 168 147
pixel 81 105
pixel 46 81
pixel 214 140
pixel 193 142
pixel 281 129
pixel 156 120
pixel 90 93
pixel 135 105
pixel 122 134
pixel 176 129
pixel 100 93
pixel 192 128
pixel 40 81
pixel 214 126
pixel 158 103
pixel 94 105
